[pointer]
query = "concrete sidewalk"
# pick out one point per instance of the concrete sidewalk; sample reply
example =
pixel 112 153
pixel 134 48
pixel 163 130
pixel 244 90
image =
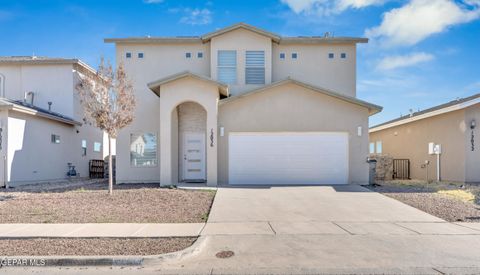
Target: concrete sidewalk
pixel 91 230
pixel 138 230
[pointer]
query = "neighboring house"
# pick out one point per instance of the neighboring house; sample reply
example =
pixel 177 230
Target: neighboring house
pixel 243 105
pixel 41 120
pixel 453 125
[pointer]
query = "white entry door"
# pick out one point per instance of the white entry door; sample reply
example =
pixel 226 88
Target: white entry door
pixel 288 158
pixel 194 156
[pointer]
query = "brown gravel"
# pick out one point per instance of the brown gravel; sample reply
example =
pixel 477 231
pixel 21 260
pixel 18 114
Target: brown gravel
pixel 93 246
pixel 427 200
pixel 130 203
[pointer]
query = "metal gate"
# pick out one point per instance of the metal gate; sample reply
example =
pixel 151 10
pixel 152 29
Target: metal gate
pixel 401 169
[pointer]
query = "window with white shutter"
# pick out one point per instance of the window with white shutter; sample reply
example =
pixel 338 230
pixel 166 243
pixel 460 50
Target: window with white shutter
pixel 255 67
pixel 227 67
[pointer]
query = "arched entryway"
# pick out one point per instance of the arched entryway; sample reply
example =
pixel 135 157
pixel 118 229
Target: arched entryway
pixel 189 124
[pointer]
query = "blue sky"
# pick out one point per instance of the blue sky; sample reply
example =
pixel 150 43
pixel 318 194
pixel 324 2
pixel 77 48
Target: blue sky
pixel 421 52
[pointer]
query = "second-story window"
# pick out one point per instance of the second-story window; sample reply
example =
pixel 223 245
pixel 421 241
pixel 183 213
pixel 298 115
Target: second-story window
pixel 294 55
pixel 199 55
pixel 282 55
pixel 255 67
pixel 188 55
pixel 128 55
pixel 331 55
pixel 227 66
pixel 140 55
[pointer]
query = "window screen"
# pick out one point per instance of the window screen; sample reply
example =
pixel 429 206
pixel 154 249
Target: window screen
pixel 227 66
pixel 255 67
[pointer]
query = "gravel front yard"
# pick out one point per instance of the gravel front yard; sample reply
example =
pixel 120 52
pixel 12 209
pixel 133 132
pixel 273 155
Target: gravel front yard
pixel 90 203
pixel 448 201
pixel 92 246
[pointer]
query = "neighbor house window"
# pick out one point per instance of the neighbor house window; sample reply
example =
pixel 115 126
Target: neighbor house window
pixel 282 55
pixel 372 148
pixel 200 55
pixel 331 55
pixel 227 66
pixel 294 55
pixel 55 139
pixel 128 55
pixel 84 147
pixel 97 146
pixel 343 55
pixel 379 147
pixel 140 55
pixel 143 150
pixel 188 55
pixel 255 67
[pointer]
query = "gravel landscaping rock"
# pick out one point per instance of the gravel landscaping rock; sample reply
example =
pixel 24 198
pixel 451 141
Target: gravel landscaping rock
pixel 130 203
pixel 92 246
pixel 428 200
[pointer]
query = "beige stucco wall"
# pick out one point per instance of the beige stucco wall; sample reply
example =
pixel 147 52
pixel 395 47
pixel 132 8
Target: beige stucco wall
pixel 242 40
pixel 472 158
pixel 291 108
pixel 411 140
pixel 160 60
pixel 313 65
pixel 48 82
pixel 32 157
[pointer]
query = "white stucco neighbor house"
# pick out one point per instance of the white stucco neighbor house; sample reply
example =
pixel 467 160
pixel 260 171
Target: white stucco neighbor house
pixel 244 106
pixel 41 120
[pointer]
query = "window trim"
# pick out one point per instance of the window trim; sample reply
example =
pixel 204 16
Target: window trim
pixel 156 151
pixel 235 66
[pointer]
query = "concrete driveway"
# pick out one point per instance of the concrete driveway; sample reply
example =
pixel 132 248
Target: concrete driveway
pixel 327 229
pixel 350 203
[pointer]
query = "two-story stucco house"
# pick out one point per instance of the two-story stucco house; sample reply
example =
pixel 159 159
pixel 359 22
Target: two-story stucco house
pixel 41 120
pixel 242 105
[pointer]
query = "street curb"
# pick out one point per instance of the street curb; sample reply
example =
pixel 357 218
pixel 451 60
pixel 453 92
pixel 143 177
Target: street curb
pixel 49 261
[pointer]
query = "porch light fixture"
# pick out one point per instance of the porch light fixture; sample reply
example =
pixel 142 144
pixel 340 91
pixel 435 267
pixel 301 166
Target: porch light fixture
pixel 473 123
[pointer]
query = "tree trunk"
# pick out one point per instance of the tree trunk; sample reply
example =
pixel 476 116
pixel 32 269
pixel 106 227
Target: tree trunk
pixel 110 170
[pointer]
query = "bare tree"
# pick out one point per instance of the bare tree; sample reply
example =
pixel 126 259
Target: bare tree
pixel 109 103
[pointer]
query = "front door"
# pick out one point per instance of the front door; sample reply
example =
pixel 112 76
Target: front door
pixel 194 156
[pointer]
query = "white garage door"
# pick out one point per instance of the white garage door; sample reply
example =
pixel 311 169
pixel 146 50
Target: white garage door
pixel 288 158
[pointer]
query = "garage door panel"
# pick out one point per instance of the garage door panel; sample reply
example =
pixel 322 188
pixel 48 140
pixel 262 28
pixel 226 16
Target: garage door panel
pixel 288 158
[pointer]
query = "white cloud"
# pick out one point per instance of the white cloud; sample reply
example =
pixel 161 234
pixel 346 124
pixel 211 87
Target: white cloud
pixel 152 1
pixel 400 61
pixel 327 7
pixel 196 16
pixel 420 19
